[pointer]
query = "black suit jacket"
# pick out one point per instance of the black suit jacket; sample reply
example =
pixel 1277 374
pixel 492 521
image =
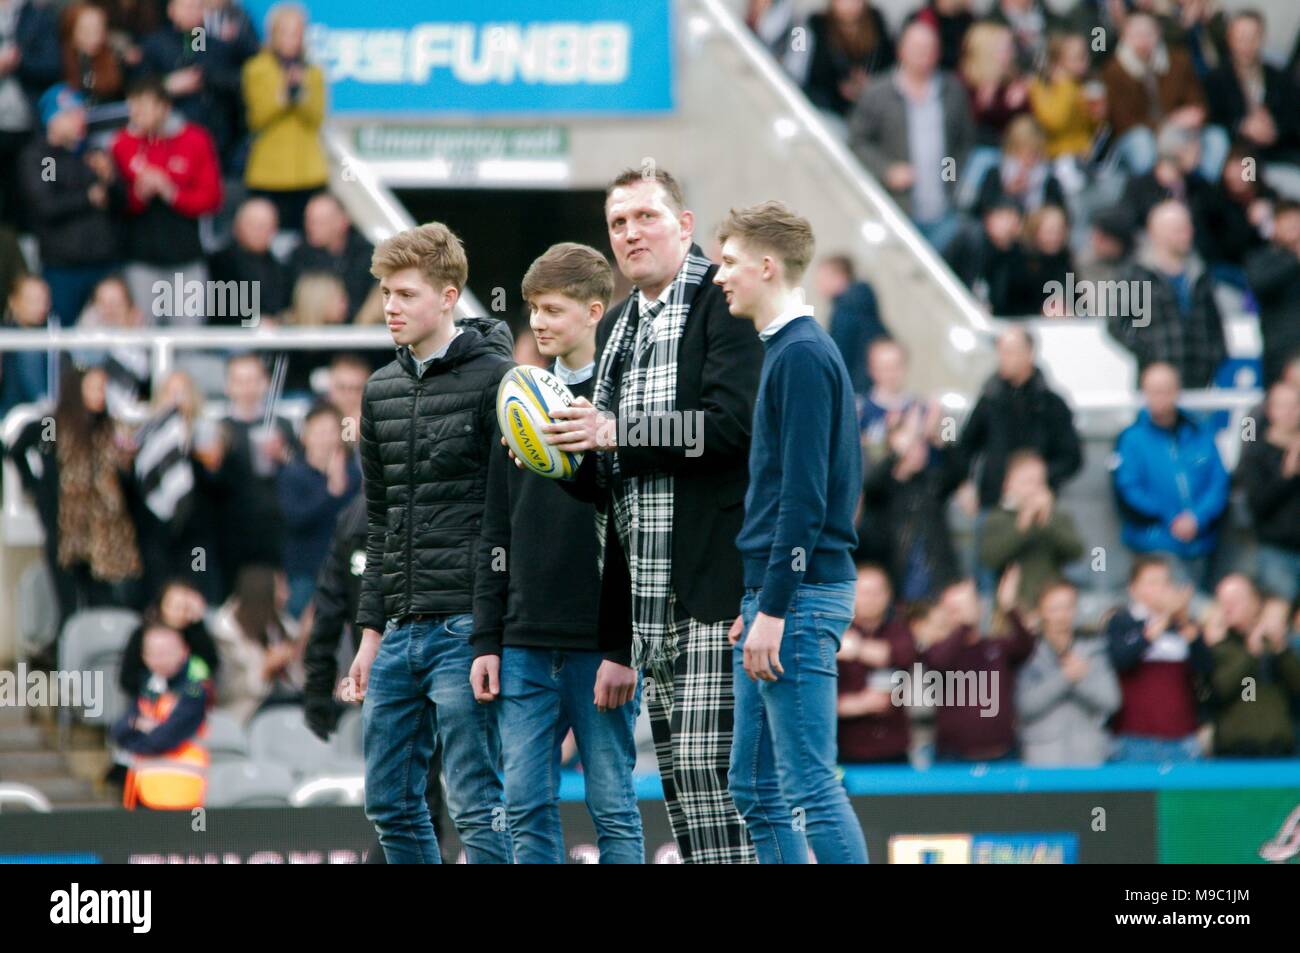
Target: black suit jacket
pixel 1227 103
pixel 719 360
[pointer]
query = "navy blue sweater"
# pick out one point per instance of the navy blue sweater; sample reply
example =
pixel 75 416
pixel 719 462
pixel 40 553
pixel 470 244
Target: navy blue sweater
pixel 310 513
pixel 805 469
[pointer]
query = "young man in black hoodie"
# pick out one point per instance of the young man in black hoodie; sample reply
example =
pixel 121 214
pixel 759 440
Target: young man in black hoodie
pixel 428 424
pixel 537 644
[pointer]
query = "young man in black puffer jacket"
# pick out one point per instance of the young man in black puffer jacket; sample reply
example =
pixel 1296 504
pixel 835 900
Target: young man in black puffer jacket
pixel 427 427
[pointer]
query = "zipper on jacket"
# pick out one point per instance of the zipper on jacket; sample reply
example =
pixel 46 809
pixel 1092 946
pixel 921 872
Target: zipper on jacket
pixel 410 498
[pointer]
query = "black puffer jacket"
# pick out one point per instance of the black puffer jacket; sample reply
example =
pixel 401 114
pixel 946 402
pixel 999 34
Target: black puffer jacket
pixel 424 454
pixel 1029 417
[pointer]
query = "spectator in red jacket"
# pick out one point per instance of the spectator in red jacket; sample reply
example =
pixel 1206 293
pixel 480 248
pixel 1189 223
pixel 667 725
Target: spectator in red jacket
pixel 168 169
pixel 975 716
pixel 871 727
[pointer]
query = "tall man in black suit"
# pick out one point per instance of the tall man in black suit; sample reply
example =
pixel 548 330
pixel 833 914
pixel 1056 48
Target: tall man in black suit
pixel 676 381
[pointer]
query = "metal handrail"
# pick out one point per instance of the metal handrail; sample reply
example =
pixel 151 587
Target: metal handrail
pixel 353 171
pixel 846 162
pixel 261 338
pixel 163 342
pixel 14 793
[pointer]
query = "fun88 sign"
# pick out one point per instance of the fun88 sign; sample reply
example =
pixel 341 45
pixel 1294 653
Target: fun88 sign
pixel 492 56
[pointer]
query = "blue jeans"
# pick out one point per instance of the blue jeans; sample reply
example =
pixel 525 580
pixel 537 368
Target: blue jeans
pixel 302 586
pixel 1141 748
pixel 419 686
pixel 1189 570
pixel 1278 570
pixel 71 287
pixel 544 693
pixel 1136 151
pixel 783 776
pixel 940 232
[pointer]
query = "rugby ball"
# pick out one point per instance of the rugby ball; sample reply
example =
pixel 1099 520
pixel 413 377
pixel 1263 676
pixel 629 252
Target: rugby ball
pixel 525 399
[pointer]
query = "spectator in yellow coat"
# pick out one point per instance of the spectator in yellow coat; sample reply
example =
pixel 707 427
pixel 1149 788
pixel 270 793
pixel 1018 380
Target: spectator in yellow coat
pixel 285 99
pixel 1063 102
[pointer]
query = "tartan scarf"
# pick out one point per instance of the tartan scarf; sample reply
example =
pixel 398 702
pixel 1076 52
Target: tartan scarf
pixel 638 376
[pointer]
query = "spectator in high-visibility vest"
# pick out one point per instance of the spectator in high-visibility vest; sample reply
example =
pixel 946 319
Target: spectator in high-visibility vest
pixel 172 702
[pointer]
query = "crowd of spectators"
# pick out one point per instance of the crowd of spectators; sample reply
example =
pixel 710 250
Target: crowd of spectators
pixel 146 503
pixel 1158 673
pixel 1140 142
pixel 1124 140
pixel 165 145
pixel 173 142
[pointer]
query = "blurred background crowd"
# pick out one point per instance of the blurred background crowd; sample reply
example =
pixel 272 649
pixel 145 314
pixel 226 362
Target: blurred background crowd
pixel 1144 141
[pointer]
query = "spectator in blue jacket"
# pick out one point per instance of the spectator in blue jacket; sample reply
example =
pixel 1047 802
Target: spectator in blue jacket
pixel 314 489
pixel 25 375
pixel 29 64
pixel 1170 482
pixel 855 319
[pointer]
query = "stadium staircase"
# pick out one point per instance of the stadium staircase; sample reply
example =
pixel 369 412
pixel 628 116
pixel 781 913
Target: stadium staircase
pixel 67 777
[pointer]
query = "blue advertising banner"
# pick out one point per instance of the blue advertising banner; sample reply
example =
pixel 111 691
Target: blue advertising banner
pixel 492 56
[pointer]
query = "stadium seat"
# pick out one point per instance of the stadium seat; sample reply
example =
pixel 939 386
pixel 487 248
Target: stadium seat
pixel 93 632
pixel 249 784
pixel 114 701
pixel 38 610
pixel 281 735
pixel 95 637
pixel 347 737
pixel 207 369
pixel 225 738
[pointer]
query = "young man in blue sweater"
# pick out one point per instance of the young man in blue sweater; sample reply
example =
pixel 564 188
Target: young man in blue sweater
pixel 805 473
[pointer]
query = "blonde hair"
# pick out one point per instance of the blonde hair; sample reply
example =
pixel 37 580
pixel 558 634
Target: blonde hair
pixel 159 403
pixel 1035 219
pixel 277 15
pixel 1023 134
pixel 979 63
pixel 311 298
pixel 433 248
pixel 775 227
pixel 1057 45
pixel 372 309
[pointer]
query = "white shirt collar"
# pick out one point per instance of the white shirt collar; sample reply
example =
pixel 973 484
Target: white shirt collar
pixel 642 302
pixel 571 376
pixel 795 308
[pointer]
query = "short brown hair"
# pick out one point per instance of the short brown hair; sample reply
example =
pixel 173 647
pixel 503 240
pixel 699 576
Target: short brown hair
pixel 773 226
pixel 433 248
pixel 573 270
pixel 672 191
pixel 1055 584
pixel 1147 561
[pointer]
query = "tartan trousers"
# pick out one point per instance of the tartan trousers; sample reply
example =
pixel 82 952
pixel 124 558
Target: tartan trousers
pixel 692 711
